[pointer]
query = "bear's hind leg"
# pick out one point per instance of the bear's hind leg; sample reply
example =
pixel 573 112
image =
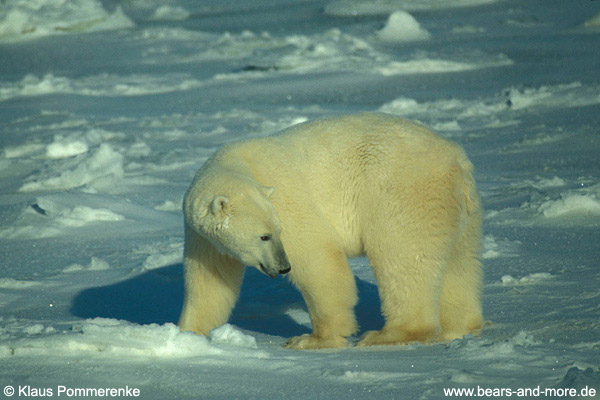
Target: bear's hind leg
pixel 409 281
pixel 322 274
pixel 408 241
pixel 460 303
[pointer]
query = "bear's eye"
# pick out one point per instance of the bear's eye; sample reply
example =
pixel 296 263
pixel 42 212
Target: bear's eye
pixel 265 238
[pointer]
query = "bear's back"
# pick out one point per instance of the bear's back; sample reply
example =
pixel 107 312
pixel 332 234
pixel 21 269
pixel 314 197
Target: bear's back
pixel 352 144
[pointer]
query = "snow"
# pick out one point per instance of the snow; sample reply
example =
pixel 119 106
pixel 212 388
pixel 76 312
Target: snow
pixel 10 283
pixel 103 167
pixel 59 149
pixel 112 338
pixel 100 85
pixel 493 247
pixel 25 19
pixel 571 204
pixel 169 13
pixel 508 280
pixel 348 8
pixel 108 108
pixel 96 264
pixel 593 22
pixel 402 27
pixel 228 334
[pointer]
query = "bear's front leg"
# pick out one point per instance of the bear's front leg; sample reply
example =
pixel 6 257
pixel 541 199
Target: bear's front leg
pixel 324 278
pixel 212 285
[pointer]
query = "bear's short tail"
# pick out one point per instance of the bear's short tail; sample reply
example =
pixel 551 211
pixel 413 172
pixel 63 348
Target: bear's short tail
pixel 469 196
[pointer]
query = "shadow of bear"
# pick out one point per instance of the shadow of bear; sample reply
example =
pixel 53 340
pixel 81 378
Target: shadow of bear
pixel 271 307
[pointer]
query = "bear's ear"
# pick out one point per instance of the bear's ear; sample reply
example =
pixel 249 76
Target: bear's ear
pixel 220 206
pixel 268 191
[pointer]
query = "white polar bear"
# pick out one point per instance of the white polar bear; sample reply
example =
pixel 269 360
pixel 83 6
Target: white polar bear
pixel 319 192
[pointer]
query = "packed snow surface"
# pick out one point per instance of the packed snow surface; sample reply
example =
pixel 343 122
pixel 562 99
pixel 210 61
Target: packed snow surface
pixel 108 108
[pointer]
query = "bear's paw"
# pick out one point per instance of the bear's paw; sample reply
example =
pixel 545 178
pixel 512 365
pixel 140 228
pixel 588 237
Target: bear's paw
pixel 311 342
pixel 398 336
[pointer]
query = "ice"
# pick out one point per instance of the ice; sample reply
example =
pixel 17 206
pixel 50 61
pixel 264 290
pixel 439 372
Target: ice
pixel 506 105
pixel 548 183
pixel 372 377
pixel 64 149
pixel 139 150
pixel 593 22
pixel 25 19
pixel 103 167
pixel 47 218
pixel 425 66
pixel 551 205
pixel 571 204
pixel 100 85
pixel 467 29
pixel 333 50
pixel 493 248
pixel 505 349
pixel 530 279
pixel 21 150
pixel 574 94
pixel 96 264
pixel 351 8
pixel 170 13
pixel 170 205
pixel 161 260
pixel 402 27
pixel 10 283
pixel 38 329
pixel 299 315
pixel 102 337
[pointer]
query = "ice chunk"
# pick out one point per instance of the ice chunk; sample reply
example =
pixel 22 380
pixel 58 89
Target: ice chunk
pixel 104 166
pixel 228 334
pixel 424 66
pixel 22 20
pixel 105 337
pixel 497 248
pixel 169 205
pixel 170 13
pixel 21 150
pixel 571 204
pixel 162 260
pixel 96 264
pixel 10 283
pixel 593 22
pixel 508 280
pixel 548 183
pixel 64 149
pixel 402 27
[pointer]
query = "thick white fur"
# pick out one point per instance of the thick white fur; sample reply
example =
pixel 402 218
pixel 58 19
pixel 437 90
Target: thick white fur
pixel 369 184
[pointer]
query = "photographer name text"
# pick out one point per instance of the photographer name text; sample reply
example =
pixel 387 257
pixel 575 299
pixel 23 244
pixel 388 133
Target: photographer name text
pixel 28 391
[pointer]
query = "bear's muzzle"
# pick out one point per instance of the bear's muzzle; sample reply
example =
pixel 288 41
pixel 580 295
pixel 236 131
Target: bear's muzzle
pixel 276 272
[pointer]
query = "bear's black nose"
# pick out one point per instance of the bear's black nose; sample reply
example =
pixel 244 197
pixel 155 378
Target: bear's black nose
pixel 285 271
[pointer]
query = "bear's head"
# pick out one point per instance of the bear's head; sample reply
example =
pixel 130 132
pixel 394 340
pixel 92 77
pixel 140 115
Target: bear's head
pixel 242 223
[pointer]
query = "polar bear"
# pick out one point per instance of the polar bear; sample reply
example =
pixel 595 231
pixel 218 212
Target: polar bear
pixel 304 200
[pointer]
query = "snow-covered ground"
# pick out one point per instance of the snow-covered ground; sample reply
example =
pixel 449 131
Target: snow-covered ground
pixel 107 109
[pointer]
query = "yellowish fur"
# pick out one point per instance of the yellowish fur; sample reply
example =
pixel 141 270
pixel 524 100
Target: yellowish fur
pixel 369 184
